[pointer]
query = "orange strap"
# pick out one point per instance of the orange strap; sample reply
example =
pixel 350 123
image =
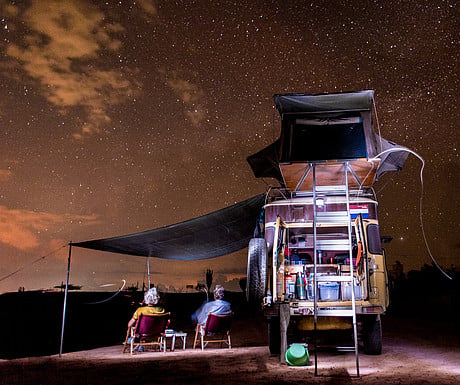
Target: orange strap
pixel 359 254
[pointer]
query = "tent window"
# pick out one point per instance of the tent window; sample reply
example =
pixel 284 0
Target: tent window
pixel 323 139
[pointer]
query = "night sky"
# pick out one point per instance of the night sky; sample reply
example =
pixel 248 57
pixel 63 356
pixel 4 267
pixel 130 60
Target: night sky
pixel 122 116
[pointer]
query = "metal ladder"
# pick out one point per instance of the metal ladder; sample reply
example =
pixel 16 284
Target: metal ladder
pixel 338 219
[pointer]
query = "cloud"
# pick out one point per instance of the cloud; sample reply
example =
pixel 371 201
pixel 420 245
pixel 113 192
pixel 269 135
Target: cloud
pixel 148 7
pixel 23 229
pixel 191 96
pixel 63 49
pixel 5 175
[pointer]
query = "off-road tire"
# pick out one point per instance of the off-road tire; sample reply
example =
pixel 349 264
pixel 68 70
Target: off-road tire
pixel 257 270
pixel 372 335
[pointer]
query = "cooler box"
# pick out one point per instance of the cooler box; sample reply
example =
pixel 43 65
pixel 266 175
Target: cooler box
pixel 328 291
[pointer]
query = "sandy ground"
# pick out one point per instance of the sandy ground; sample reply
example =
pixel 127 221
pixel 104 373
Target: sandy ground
pixel 411 356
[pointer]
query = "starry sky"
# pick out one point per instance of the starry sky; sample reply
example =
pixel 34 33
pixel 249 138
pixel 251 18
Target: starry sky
pixel 122 116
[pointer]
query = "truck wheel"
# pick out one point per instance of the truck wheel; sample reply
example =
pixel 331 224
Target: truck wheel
pixel 257 270
pixel 372 334
pixel 274 336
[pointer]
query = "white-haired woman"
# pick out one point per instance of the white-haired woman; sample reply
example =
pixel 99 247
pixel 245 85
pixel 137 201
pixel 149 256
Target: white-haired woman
pixel 150 307
pixel 218 306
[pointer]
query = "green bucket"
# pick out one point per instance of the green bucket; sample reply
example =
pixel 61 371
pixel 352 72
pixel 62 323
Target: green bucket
pixel 297 355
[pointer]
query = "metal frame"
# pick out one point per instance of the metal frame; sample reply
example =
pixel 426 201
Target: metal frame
pixel 339 219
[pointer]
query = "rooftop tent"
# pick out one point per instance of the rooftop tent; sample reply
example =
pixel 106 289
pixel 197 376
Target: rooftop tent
pixel 326 126
pixel 213 235
pixel 326 129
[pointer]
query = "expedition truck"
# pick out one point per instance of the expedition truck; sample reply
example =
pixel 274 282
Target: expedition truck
pixel 317 248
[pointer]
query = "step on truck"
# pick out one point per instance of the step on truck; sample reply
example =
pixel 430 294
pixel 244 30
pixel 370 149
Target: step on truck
pixel 317 250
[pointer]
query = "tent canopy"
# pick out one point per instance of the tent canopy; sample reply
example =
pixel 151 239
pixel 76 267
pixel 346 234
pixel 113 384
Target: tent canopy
pixel 265 163
pixel 213 235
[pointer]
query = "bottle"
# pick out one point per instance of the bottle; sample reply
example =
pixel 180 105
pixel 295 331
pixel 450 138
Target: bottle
pixel 300 286
pixel 320 256
pixel 290 285
pixel 311 286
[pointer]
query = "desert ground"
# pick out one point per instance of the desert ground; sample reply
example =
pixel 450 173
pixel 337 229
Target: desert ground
pixel 416 351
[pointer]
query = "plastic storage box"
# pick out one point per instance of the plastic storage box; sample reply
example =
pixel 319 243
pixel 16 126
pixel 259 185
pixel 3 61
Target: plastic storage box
pixel 346 291
pixel 328 291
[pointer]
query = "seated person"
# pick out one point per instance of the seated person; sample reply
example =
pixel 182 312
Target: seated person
pixel 151 299
pixel 218 306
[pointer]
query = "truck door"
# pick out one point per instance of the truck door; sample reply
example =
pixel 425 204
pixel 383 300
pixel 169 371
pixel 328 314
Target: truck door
pixel 279 245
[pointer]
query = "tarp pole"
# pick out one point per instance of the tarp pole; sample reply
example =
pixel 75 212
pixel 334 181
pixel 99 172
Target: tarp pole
pixel 65 299
pixel 148 272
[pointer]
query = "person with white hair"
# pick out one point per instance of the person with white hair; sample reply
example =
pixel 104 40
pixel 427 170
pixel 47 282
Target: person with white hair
pixel 151 298
pixel 218 306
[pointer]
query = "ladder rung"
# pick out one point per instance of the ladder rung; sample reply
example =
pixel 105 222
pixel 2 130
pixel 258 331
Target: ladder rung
pixel 333 244
pixel 335 312
pixel 345 348
pixel 334 188
pixel 339 217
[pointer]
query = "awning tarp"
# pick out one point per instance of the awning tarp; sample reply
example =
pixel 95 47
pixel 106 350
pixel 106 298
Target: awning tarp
pixel 213 235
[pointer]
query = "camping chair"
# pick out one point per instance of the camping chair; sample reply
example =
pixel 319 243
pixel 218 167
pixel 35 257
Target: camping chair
pixel 148 331
pixel 217 329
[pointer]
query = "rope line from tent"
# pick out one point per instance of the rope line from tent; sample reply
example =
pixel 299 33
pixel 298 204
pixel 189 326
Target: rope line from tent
pixel 420 203
pixel 385 185
pixel 31 263
pixel 111 297
pixel 360 189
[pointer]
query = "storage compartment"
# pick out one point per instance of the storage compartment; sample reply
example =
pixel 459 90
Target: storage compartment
pixel 322 269
pixel 328 291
